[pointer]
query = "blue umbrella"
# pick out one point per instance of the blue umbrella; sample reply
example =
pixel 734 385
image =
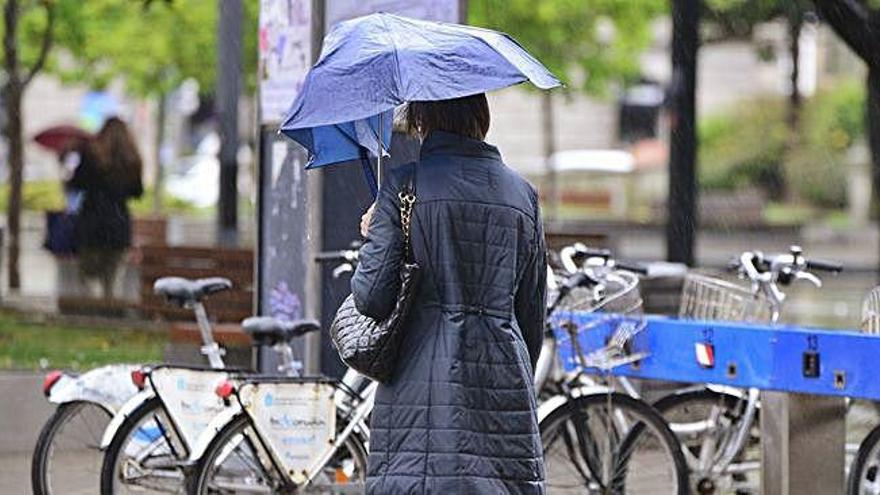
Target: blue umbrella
pixel 372 64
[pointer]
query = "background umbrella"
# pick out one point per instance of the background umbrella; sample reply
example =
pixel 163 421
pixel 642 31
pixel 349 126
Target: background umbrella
pixel 372 64
pixel 58 137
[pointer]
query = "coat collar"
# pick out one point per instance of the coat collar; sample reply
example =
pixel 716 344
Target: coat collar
pixel 447 143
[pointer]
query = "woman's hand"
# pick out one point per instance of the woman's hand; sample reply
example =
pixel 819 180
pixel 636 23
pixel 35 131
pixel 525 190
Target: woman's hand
pixel 365 220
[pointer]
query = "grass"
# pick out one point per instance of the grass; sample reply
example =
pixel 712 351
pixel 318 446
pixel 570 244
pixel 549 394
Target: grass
pixel 32 345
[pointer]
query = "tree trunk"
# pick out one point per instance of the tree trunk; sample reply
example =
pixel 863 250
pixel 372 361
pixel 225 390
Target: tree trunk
pixel 682 218
pixel 779 182
pixel 873 130
pixel 159 179
pixel 548 132
pixel 12 90
pixel 16 165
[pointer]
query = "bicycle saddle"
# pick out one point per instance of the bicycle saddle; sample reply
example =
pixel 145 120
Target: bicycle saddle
pixel 266 328
pixel 183 291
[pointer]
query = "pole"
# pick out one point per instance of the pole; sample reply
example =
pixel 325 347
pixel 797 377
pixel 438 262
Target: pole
pixel 228 91
pixel 682 201
pixel 312 361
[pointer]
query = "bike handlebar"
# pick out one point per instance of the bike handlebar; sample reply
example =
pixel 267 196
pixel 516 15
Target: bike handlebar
pixel 344 255
pixel 631 267
pixel 824 265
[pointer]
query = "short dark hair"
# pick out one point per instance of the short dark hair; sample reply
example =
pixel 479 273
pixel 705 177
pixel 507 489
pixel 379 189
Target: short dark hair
pixel 467 116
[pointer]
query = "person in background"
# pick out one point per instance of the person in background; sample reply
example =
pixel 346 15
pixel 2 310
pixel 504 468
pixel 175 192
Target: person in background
pixel 108 174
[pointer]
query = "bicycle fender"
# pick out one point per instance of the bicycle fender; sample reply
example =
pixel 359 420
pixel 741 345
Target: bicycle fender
pixel 214 426
pixel 109 386
pixel 124 412
pixel 557 401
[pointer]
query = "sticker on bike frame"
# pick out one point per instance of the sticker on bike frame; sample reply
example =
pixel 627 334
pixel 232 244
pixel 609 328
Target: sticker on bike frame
pixel 297 421
pixel 188 396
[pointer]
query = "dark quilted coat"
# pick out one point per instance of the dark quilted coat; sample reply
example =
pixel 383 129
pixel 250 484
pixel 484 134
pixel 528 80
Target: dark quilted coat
pixel 459 415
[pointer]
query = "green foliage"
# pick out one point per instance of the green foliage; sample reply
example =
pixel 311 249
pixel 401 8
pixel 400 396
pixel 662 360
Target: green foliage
pixel 31 28
pixel 36 195
pixel 744 147
pixel 153 48
pixel 45 195
pixel 32 345
pixel 831 123
pixel 729 19
pixel 567 35
pixel 749 146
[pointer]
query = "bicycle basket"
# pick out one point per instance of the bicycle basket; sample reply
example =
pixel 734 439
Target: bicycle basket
pixel 604 341
pixel 620 296
pixel 709 298
pixel 871 312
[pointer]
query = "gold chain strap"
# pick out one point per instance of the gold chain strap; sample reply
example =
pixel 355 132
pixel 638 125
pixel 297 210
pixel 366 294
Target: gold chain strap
pixel 407 200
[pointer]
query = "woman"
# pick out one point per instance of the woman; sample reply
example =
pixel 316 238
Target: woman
pixel 459 414
pixel 109 174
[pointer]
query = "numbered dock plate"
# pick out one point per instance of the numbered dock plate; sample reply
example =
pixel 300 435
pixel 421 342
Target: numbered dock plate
pixel 784 358
pixel 297 420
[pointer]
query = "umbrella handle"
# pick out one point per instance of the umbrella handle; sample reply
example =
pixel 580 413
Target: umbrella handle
pixel 369 175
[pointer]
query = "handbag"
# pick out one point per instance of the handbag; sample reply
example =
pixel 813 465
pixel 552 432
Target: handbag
pixel 60 233
pixel 368 346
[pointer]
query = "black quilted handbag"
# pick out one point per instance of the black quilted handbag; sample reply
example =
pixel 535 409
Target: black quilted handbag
pixel 368 346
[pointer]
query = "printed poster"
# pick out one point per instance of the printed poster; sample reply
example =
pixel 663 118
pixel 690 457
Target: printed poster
pixel 285 54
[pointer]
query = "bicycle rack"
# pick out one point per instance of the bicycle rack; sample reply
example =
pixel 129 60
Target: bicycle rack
pixel 804 374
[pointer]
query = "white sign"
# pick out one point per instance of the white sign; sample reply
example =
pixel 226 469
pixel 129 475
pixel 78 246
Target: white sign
pixel 189 398
pixel 285 50
pixel 297 420
pixel 428 10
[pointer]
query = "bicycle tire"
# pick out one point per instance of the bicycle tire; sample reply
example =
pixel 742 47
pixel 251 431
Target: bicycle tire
pixel 649 418
pixel 120 438
pixel 197 482
pixel 667 404
pixel 859 468
pixel 45 443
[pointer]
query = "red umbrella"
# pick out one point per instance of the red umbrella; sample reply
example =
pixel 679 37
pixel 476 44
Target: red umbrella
pixel 57 138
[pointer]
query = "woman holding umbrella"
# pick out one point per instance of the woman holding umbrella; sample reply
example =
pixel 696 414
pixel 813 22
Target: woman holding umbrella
pixel 459 414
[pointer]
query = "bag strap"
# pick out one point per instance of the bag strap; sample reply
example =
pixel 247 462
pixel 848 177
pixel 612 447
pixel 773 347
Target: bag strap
pixel 407 197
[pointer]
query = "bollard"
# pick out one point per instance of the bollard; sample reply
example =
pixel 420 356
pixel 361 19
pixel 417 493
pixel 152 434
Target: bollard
pixel 803 440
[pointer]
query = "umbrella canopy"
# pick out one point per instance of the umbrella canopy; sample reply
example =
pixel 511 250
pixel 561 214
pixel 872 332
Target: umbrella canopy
pixel 58 137
pixel 372 64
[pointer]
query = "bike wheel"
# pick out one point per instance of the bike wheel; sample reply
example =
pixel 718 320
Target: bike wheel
pixel 236 461
pixel 67 457
pixel 611 444
pixel 864 473
pixel 706 423
pixel 145 455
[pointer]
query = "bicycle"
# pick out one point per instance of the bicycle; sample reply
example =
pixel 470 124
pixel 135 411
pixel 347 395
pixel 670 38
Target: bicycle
pixel 286 435
pixel 597 439
pixel 67 452
pixel 863 474
pixel 718 425
pixel 147 443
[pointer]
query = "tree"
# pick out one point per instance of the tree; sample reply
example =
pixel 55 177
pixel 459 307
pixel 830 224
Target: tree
pixel 737 19
pixel 26 25
pixel 857 23
pixel 589 44
pixel 153 46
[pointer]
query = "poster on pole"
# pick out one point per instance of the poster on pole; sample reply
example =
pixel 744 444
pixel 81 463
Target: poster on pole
pixel 285 54
pixel 429 10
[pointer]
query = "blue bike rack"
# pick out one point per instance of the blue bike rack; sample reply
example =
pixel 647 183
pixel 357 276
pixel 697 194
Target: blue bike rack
pixel 782 358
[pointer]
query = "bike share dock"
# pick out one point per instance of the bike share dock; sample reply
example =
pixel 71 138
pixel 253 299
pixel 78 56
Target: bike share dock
pixel 804 375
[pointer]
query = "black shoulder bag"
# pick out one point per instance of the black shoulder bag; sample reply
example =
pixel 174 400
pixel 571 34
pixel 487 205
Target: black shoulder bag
pixel 368 346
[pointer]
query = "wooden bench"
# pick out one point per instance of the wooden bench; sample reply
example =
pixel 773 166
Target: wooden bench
pixel 197 262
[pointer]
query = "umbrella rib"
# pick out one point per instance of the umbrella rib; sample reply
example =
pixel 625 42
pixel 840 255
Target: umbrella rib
pixel 393 51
